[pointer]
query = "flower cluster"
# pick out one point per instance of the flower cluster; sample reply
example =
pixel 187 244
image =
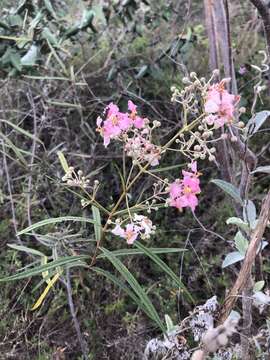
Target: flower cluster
pixel 183 192
pixel 142 150
pixel 133 130
pixel 73 178
pixel 220 105
pixel 140 226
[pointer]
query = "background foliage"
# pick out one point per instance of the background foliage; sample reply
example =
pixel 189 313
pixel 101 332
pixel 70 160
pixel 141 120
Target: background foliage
pixel 61 62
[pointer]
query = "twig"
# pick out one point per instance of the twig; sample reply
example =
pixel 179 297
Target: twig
pixel 81 340
pixel 246 268
pixel 264 11
pixel 14 220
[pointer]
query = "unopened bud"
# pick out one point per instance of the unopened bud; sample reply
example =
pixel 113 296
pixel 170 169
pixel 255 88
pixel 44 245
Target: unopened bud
pixel 241 124
pixel 242 109
pixel 233 139
pixel 185 80
pixel 224 136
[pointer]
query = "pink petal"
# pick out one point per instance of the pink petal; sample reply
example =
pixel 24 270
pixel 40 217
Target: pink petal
pixel 132 107
pixel 193 166
pixel 118 231
pixel 99 121
pixel 139 122
pixel 211 106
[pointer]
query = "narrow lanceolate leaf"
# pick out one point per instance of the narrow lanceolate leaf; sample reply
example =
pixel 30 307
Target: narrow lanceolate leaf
pixel 45 292
pixel 229 189
pixel 263 169
pixel 125 252
pixel 136 287
pixel 64 261
pixel 25 249
pixel 22 131
pixel 232 258
pixel 63 161
pixel 165 268
pixel 256 122
pixel 97 224
pixel 54 221
pixel 121 285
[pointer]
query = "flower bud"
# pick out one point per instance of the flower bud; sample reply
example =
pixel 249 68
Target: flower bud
pixel 212 158
pixel 185 80
pixel 242 109
pixel 233 139
pixel 241 124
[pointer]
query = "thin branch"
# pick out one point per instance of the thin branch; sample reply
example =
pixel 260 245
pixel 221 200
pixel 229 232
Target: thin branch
pixel 81 340
pixel 249 261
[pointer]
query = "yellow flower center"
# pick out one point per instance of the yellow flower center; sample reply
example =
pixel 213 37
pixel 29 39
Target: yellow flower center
pixel 115 120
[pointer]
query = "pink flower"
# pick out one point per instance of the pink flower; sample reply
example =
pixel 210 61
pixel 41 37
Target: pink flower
pixel 130 233
pixel 114 125
pixel 221 103
pixel 137 121
pixel 132 107
pixel 117 123
pixel 183 192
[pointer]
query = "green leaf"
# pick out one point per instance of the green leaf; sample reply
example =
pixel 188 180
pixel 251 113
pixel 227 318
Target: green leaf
pixel 63 161
pixel 22 131
pixel 15 61
pixel 229 189
pixel 50 8
pixel 249 212
pixel 29 59
pixel 15 149
pixel 49 36
pixel 258 286
pixel 143 70
pixel 256 122
pixel 64 261
pixel 232 258
pixel 97 224
pixel 164 267
pixel 54 221
pixel 262 169
pixel 241 243
pixel 26 249
pixel 239 222
pixel 124 252
pixel 166 168
pixel 87 18
pixel 151 311
pixel 169 323
pixel 121 285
